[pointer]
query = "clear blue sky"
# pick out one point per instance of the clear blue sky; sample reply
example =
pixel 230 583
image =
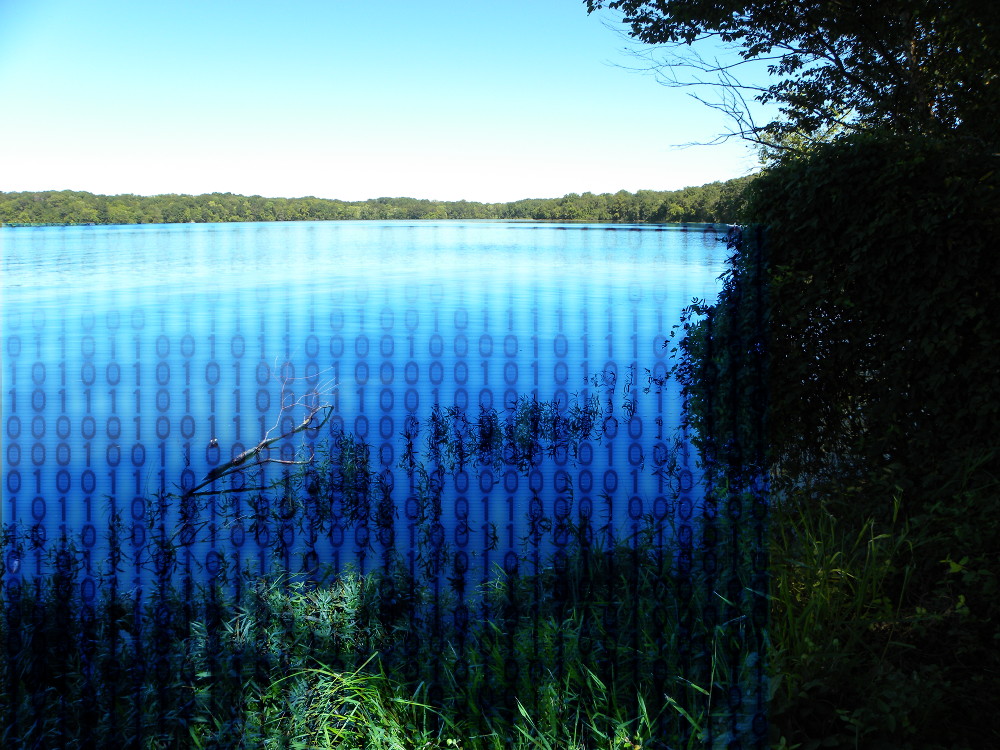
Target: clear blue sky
pixel 443 99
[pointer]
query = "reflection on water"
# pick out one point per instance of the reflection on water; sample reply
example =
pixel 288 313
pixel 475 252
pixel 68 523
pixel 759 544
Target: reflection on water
pixel 138 360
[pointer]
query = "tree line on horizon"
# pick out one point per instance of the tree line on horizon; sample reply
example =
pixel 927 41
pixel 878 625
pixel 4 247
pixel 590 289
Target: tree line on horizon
pixel 716 202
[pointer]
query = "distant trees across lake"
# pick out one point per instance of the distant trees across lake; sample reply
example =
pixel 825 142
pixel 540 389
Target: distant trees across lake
pixel 717 202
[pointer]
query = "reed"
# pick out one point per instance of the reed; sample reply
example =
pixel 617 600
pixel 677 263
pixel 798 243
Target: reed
pixel 647 639
pixel 592 649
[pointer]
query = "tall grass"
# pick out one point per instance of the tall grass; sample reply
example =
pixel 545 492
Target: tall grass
pixel 594 650
pixel 650 639
pixel 883 626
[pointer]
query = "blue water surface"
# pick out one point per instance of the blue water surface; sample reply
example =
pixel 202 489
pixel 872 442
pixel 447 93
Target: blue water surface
pixel 138 359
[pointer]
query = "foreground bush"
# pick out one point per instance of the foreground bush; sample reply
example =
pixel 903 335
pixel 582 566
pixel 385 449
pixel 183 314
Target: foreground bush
pixel 877 259
pixel 600 648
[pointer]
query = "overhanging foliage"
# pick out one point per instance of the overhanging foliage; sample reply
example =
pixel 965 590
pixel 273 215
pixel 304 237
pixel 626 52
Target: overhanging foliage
pixel 909 66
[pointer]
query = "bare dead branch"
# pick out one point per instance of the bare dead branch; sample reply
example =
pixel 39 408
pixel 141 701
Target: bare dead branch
pixel 237 463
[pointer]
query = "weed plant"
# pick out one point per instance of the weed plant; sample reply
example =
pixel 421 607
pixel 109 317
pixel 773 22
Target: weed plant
pixel 649 639
pixel 883 532
pixel 593 650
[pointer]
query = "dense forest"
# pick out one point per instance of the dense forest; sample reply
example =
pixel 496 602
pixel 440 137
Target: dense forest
pixel 715 202
pixel 852 357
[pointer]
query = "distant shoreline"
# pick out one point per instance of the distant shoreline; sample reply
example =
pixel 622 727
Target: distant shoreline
pixel 716 202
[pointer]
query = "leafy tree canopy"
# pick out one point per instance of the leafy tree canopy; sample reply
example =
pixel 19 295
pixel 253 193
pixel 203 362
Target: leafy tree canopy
pixel 926 67
pixel 717 202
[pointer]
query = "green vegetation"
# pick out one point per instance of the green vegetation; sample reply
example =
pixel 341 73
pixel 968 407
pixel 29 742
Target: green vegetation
pixel 882 451
pixel 884 409
pixel 581 664
pixel 717 202
pixel 870 299
pixel 612 643
pixel 871 234
pixel 899 66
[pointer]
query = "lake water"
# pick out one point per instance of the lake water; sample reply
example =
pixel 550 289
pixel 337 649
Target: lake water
pixel 138 359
